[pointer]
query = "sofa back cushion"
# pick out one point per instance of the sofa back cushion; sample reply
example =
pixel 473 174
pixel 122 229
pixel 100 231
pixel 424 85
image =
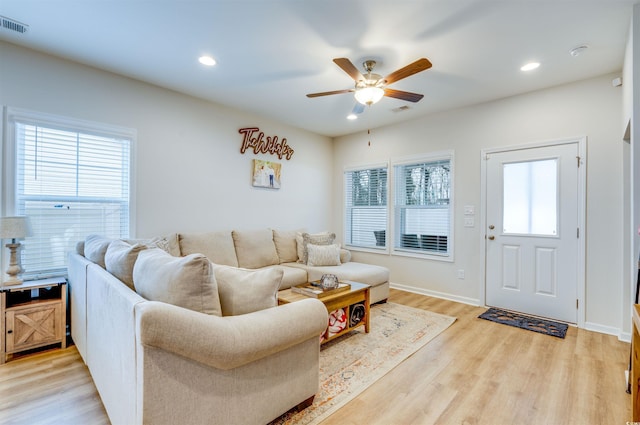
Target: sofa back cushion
pixel 120 259
pixel 286 245
pixel 187 282
pixel 95 248
pixel 244 291
pixel 216 246
pixel 255 248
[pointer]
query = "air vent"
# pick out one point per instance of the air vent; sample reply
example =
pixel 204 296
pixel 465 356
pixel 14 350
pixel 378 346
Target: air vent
pixel 12 25
pixel 401 109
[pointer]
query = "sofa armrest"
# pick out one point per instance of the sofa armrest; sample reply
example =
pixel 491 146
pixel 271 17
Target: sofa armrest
pixel 232 341
pixel 345 255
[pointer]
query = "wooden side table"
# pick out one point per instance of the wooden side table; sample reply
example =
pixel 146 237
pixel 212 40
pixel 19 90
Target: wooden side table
pixel 33 315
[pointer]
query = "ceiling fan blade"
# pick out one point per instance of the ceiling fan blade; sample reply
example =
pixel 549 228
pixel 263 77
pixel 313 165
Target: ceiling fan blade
pixel 327 93
pixel 349 68
pixel 358 108
pixel 403 95
pixel 413 68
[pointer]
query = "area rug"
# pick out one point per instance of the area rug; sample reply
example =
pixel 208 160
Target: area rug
pixel 351 363
pixel 529 323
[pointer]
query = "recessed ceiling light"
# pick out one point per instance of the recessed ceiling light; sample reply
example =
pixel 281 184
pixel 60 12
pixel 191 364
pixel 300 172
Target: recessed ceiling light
pixel 207 60
pixel 352 117
pixel 530 66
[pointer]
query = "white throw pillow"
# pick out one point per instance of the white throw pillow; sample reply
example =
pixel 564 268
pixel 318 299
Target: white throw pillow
pixel 95 248
pixel 323 255
pixel 120 259
pixel 187 282
pixel 244 291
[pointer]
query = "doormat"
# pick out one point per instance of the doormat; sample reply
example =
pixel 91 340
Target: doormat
pixel 529 323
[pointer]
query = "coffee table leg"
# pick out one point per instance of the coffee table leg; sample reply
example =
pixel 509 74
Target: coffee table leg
pixel 367 310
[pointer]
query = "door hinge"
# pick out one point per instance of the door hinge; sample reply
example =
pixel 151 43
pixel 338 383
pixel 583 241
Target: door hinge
pixel 577 301
pixel 578 158
pixel 578 233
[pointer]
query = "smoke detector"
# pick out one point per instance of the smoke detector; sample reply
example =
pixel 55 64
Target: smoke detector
pixel 578 50
pixel 13 25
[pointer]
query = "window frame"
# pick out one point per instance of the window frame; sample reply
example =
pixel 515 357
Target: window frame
pixel 364 248
pixel 447 256
pixel 13 115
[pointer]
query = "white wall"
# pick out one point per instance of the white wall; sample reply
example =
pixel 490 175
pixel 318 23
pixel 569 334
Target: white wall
pixel 189 171
pixel 631 126
pixel 589 108
pixel 192 177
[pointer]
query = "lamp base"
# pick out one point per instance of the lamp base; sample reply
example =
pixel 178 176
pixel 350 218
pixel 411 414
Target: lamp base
pixel 11 278
pixel 11 281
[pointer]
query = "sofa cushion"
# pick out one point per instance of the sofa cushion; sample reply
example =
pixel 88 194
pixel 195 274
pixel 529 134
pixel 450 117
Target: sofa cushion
pixel 120 259
pixel 359 272
pixel 169 243
pixel 323 255
pixel 299 246
pixel 95 248
pixel 244 291
pixel 286 245
pixel 324 238
pixel 187 282
pixel 345 255
pixel 216 246
pixel 255 248
pixel 291 275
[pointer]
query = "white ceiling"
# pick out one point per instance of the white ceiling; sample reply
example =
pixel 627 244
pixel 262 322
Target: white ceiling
pixel 271 53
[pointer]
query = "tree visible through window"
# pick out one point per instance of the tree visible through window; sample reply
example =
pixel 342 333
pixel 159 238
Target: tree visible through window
pixel 366 207
pixel 422 206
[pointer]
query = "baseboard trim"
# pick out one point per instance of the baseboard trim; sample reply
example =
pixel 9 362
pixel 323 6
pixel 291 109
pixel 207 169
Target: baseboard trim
pixel 609 330
pixel 624 337
pixel 435 294
pixel 590 326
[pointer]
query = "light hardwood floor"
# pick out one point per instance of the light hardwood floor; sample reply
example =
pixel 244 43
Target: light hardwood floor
pixel 476 372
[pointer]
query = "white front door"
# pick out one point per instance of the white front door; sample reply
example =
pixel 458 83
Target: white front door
pixel 532 236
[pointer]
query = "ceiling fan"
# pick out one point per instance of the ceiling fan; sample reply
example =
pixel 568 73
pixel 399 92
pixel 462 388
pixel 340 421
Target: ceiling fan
pixel 370 88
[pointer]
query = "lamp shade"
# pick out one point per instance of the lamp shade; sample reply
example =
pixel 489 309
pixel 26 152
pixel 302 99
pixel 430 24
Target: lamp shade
pixel 14 227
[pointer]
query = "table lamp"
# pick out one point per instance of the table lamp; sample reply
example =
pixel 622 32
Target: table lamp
pixel 13 228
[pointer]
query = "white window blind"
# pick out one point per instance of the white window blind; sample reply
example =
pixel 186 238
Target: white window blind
pixel 423 214
pixel 366 207
pixel 70 183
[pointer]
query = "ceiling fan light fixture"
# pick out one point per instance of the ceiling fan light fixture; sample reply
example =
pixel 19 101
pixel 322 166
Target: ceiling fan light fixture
pixel 369 95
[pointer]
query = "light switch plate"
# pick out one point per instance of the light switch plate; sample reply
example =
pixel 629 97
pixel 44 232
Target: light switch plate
pixel 469 210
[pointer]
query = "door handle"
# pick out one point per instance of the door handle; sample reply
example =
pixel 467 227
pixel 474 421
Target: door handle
pixel 491 237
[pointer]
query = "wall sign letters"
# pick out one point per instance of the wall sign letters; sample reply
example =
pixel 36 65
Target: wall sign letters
pixel 253 138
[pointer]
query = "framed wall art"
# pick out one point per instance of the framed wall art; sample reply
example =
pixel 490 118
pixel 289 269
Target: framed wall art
pixel 266 174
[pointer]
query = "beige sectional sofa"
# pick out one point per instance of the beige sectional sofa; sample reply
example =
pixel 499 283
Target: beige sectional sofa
pixel 186 328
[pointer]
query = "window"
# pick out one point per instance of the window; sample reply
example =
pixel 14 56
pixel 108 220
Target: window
pixel 422 208
pixel 530 195
pixel 366 207
pixel 71 179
